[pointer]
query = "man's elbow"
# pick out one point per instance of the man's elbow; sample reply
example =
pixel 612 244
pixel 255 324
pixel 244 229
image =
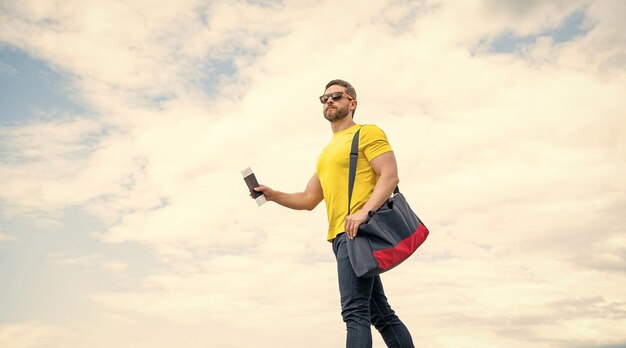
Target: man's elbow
pixel 393 179
pixel 311 206
pixel 311 203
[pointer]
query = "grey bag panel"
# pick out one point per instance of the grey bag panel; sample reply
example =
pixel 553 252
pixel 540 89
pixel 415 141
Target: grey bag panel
pixel 406 212
pixel 360 254
pixel 395 219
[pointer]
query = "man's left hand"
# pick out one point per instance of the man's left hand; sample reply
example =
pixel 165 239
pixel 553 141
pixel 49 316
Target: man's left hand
pixel 353 221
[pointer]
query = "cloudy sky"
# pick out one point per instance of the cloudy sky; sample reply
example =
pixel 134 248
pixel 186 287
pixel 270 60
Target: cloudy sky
pixel 124 125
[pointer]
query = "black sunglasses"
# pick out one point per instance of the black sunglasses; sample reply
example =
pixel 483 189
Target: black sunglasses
pixel 336 96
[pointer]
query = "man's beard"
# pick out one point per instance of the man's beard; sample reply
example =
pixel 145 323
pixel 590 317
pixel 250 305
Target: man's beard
pixel 338 114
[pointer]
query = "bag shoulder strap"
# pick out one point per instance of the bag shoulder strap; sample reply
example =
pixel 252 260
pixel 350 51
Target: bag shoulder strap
pixel 354 156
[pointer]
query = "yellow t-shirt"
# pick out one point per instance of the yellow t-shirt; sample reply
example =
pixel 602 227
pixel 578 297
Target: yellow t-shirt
pixel 333 166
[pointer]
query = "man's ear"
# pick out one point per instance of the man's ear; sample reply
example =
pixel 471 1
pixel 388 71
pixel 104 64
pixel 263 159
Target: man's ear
pixel 353 105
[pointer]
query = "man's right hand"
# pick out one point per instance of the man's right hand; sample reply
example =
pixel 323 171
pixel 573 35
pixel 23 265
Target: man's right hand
pixel 266 191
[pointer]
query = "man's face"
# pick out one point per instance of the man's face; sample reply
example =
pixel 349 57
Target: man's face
pixel 335 110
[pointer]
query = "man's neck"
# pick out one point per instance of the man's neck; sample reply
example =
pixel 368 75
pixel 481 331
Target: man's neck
pixel 342 124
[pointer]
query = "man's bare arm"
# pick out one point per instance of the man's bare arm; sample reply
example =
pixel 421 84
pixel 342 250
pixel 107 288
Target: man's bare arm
pixel 308 199
pixel 386 167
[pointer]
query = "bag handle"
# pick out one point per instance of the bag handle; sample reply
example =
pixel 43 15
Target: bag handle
pixel 354 156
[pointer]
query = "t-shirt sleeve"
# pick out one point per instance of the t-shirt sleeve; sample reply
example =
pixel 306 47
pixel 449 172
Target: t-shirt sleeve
pixel 374 142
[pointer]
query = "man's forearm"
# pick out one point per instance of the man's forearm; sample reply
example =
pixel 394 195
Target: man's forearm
pixel 307 199
pixel 297 201
pixel 383 189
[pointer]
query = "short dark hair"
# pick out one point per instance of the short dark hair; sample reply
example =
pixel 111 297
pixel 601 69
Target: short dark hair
pixel 349 89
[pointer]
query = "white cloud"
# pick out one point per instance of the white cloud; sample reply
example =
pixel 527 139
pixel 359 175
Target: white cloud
pixel 513 162
pixel 528 17
pixel 90 261
pixel 32 334
pixel 44 159
pixel 5 237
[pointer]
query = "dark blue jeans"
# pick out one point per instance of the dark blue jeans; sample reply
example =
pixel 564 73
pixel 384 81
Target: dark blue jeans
pixel 363 303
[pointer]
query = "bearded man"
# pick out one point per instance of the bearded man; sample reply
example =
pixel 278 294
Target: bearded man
pixel 363 300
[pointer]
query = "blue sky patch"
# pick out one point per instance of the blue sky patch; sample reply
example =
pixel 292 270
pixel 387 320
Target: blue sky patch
pixel 572 27
pixel 213 71
pixel 30 88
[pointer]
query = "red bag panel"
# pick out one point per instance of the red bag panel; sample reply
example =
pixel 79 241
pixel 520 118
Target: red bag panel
pixel 392 256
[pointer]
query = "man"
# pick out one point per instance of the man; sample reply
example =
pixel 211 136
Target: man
pixel 363 300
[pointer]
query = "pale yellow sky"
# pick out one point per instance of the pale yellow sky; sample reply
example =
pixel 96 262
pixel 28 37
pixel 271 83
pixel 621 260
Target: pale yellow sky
pixel 507 119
